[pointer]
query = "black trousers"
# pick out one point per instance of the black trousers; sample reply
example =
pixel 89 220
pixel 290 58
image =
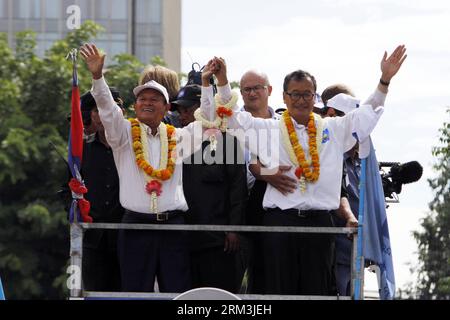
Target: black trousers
pixel 101 270
pixel 148 254
pixel 298 263
pixel 212 267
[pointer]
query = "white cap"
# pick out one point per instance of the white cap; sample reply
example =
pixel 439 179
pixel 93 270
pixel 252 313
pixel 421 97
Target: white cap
pixel 343 102
pixel 152 85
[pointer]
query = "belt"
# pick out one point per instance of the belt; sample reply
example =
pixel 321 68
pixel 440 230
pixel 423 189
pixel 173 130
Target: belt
pixel 301 213
pixel 159 216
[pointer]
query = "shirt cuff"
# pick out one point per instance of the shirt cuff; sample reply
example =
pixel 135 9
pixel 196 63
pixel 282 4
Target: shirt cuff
pixel 379 96
pixel 99 86
pixel 224 92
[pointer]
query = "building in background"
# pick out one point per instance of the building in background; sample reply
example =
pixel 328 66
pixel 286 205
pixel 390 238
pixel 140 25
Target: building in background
pixel 144 28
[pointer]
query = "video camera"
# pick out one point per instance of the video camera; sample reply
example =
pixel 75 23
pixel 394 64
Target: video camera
pixel 398 175
pixel 195 77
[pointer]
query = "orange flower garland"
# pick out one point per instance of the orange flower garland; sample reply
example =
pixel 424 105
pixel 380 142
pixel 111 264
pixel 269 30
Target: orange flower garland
pixel 304 169
pixel 163 173
pixel 224 112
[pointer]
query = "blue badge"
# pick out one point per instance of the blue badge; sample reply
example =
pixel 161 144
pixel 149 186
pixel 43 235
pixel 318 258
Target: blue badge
pixel 325 136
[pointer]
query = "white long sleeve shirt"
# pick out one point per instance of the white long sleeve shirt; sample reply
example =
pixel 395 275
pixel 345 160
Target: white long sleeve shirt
pixel 338 137
pixel 133 195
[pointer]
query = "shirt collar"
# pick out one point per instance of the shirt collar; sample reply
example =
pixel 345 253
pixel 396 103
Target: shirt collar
pixel 272 113
pixel 149 131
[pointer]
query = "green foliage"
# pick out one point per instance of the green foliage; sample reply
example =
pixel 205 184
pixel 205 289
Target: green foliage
pixel 158 61
pixel 124 75
pixel 33 229
pixel 434 238
pixel 35 101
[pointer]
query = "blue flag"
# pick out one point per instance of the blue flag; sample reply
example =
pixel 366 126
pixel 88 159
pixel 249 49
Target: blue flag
pixel 2 294
pixel 376 242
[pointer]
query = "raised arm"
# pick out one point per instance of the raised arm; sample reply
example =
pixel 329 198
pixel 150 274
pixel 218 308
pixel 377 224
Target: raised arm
pixel 389 67
pixel 110 113
pixel 94 60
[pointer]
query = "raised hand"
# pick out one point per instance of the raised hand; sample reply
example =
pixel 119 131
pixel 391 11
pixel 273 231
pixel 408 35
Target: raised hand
pixel 390 66
pixel 207 72
pixel 221 71
pixel 94 59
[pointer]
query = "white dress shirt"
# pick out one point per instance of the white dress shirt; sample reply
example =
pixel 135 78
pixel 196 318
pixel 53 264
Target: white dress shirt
pixel 133 195
pixel 250 177
pixel 324 194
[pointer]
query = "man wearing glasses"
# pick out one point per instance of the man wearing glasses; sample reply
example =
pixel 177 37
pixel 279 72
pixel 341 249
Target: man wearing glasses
pixel 300 264
pixel 255 90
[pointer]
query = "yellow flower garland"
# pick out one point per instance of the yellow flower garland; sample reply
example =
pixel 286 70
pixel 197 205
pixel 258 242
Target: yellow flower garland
pixel 167 158
pixel 304 171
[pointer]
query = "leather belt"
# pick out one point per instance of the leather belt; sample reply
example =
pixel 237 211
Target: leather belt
pixel 301 213
pixel 160 216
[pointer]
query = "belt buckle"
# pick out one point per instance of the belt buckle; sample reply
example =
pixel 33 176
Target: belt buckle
pixel 162 216
pixel 301 214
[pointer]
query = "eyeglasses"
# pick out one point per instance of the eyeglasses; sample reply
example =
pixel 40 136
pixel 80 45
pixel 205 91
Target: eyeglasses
pixel 295 96
pixel 248 90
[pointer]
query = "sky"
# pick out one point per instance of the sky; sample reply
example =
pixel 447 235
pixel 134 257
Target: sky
pixel 343 41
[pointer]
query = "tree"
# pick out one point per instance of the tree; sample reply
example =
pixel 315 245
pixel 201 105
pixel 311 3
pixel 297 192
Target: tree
pixel 34 105
pixel 434 238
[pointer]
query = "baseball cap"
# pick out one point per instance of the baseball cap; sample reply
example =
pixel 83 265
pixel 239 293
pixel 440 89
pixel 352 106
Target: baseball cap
pixel 343 102
pixel 152 84
pixel 188 96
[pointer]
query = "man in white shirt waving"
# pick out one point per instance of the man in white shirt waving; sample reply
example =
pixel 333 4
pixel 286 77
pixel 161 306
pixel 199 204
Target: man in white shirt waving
pixel 300 264
pixel 150 175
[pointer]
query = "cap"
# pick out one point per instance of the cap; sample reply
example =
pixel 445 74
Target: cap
pixel 188 96
pixel 152 84
pixel 343 102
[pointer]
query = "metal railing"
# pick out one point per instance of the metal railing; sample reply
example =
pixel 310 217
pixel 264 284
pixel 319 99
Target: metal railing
pixel 76 256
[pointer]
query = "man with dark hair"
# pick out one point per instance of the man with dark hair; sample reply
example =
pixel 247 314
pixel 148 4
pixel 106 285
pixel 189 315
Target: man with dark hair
pixel 101 270
pixel 300 264
pixel 216 191
pixel 347 214
pixel 255 90
pixel 329 93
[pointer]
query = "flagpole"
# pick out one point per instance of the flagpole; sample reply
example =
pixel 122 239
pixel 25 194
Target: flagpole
pixel 359 260
pixel 2 294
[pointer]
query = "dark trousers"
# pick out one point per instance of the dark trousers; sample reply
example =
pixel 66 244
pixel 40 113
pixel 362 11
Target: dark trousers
pixel 297 263
pixel 255 261
pixel 101 270
pixel 212 267
pixel 148 254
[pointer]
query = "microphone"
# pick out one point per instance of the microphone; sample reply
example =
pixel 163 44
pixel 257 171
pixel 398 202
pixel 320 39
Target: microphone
pixel 398 175
pixel 406 173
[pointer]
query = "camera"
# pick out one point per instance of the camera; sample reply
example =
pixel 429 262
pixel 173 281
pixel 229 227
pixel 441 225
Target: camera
pixel 195 76
pixel 398 175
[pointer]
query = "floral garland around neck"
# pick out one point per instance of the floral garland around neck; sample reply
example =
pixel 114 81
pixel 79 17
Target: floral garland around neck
pixel 308 169
pixel 223 111
pixel 167 159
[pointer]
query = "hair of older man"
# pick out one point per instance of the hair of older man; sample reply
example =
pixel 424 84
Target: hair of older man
pixel 257 73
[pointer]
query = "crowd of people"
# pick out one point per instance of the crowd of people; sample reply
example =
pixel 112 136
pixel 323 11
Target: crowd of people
pixel 193 156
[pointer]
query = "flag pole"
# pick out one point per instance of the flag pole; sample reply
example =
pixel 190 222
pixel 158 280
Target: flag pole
pixel 2 294
pixel 359 260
